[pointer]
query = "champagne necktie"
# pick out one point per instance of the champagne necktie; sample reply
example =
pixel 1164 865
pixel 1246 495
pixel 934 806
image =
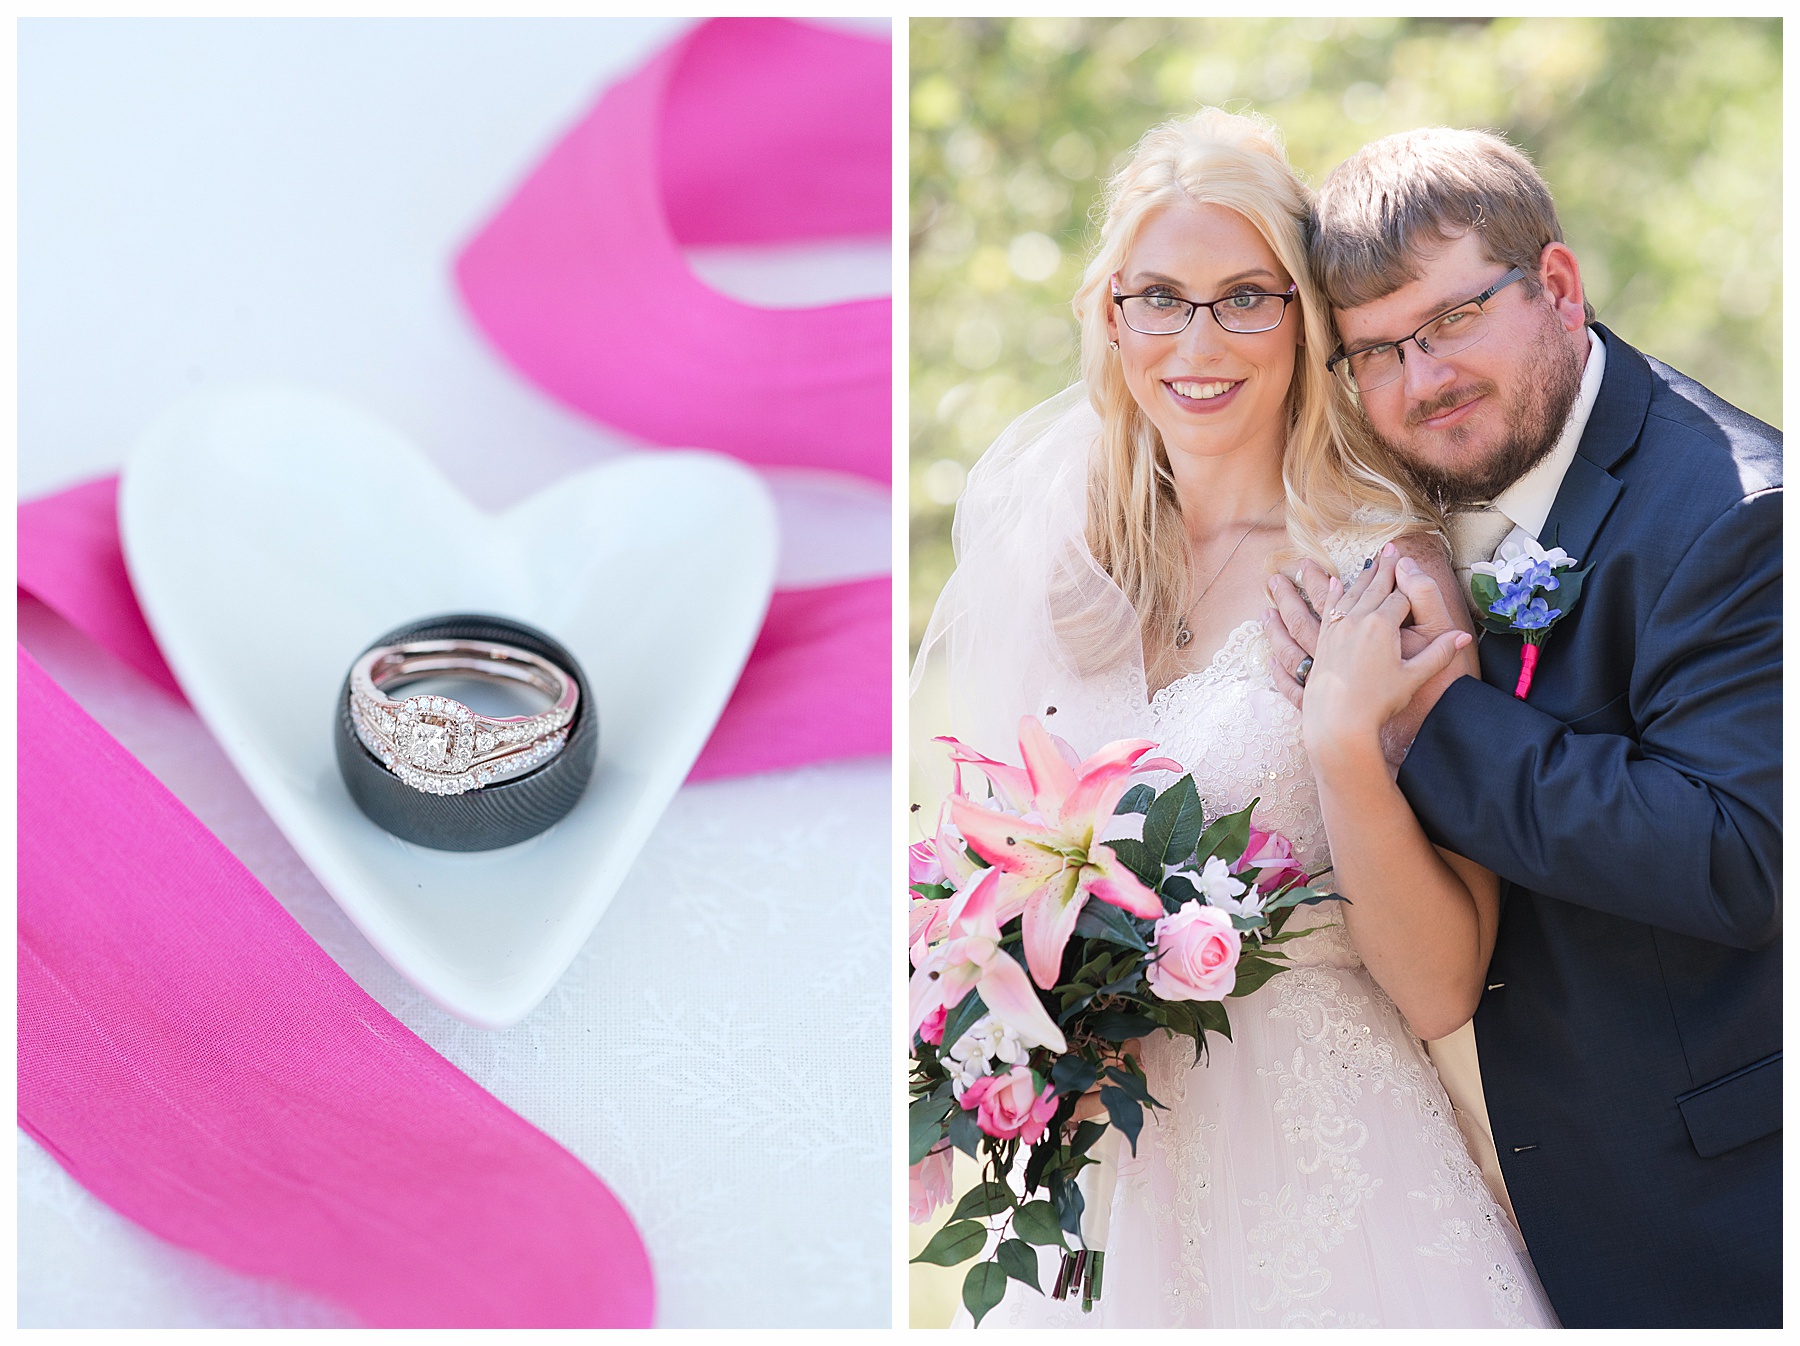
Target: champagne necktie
pixel 1474 536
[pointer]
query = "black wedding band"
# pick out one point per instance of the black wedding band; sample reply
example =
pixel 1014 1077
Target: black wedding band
pixel 1304 668
pixel 500 814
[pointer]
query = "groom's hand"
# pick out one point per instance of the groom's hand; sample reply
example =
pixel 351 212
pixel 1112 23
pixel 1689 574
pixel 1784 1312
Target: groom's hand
pixel 1296 634
pixel 1431 618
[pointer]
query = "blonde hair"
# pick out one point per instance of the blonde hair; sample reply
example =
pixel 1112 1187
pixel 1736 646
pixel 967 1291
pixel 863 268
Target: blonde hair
pixel 1335 473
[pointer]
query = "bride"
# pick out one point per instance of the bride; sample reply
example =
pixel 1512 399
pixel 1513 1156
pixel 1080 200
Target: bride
pixel 1115 551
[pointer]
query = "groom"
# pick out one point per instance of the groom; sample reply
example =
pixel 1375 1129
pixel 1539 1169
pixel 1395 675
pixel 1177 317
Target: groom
pixel 1630 1035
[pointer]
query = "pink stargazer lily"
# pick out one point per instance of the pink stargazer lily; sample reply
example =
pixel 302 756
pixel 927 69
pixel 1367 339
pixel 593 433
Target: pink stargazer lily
pixel 1051 862
pixel 971 958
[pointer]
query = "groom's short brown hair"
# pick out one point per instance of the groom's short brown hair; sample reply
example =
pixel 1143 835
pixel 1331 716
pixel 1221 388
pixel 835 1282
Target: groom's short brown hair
pixel 1417 189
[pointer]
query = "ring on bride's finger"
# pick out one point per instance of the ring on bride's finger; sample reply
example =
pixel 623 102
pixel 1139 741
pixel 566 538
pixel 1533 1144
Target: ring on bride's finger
pixel 1336 615
pixel 436 744
pixel 1301 672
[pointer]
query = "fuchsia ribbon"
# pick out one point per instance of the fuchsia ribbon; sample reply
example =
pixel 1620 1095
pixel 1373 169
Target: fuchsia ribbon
pixel 185 1050
pixel 195 1060
pixel 743 131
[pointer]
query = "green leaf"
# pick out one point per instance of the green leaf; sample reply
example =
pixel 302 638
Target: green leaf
pixel 1213 1017
pixel 1036 1222
pixel 1135 800
pixel 1125 984
pixel 1136 857
pixel 1094 971
pixel 1486 590
pixel 956 1242
pixel 925 1127
pixel 933 892
pixel 1299 896
pixel 964 1134
pixel 1102 920
pixel 1177 891
pixel 1085 1135
pixel 990 1198
pixel 1159 820
pixel 1252 973
pixel 1119 1026
pixel 1065 1195
pixel 1019 1261
pixel 963 1018
pixel 1568 590
pixel 983 1287
pixel 1130 1083
pixel 1226 837
pixel 1173 823
pixel 1072 1075
pixel 1500 626
pixel 1124 1111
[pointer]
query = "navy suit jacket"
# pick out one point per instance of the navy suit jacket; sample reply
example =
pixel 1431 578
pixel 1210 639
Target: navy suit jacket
pixel 1630 1035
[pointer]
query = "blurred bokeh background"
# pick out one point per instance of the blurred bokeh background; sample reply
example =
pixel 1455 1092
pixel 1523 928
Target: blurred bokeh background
pixel 1661 139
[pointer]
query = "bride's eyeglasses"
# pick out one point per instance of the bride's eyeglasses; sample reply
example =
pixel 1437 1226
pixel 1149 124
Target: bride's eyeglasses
pixel 1378 365
pixel 1161 313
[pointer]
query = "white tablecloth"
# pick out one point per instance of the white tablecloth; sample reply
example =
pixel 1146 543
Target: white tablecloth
pixel 207 201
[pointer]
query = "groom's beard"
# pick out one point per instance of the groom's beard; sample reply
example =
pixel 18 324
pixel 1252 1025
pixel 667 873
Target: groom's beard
pixel 1550 382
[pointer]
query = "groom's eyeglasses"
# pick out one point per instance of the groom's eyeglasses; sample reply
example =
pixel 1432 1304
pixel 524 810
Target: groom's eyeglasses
pixel 1378 365
pixel 1164 314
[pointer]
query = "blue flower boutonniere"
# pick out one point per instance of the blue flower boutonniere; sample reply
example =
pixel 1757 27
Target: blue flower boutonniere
pixel 1525 591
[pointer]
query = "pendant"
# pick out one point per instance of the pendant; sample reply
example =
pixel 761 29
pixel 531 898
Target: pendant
pixel 1183 636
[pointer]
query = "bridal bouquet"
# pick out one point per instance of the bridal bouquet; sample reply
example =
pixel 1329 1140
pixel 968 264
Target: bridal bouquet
pixel 1038 951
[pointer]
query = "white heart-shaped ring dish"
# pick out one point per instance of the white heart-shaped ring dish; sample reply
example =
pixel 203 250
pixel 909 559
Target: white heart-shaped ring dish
pixel 272 534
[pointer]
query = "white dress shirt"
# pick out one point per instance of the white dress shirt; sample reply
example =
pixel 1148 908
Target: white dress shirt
pixel 1527 503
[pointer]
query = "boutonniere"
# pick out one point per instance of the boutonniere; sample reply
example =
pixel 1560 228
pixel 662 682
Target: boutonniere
pixel 1525 591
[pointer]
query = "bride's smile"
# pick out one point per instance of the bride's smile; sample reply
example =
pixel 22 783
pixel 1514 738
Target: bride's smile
pixel 1209 391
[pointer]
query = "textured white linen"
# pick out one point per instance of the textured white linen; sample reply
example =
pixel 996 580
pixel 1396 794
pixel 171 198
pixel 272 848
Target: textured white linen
pixel 1310 1172
pixel 206 201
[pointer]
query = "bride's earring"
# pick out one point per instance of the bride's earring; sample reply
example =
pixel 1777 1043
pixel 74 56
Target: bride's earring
pixel 1112 345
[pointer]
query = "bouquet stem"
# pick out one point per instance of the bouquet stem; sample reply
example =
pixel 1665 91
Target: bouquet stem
pixel 1086 1269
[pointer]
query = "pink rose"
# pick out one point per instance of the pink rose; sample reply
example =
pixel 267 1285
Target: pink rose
pixel 922 863
pixel 928 1185
pixel 1197 954
pixel 1009 1105
pixel 1267 846
pixel 932 1030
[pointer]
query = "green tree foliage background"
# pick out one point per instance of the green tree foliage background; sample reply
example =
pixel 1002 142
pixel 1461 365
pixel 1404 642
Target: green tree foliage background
pixel 1661 139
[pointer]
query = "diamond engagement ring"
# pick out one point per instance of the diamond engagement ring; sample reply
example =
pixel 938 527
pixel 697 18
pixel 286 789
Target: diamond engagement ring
pixel 436 744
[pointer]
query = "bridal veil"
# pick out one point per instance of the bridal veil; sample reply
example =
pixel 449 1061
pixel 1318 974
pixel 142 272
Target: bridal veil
pixel 1028 623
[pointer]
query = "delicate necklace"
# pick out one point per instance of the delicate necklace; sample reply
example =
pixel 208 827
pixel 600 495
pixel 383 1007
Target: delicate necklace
pixel 1183 636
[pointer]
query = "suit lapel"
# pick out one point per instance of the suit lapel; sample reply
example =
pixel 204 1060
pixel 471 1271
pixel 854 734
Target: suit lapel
pixel 1589 488
pixel 1582 504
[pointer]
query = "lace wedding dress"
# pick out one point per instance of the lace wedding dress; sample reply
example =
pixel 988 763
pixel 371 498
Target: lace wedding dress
pixel 1309 1173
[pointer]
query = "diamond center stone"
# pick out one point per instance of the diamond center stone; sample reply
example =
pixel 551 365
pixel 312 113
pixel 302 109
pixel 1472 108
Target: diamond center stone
pixel 430 744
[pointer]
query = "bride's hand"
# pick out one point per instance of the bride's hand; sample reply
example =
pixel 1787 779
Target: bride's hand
pixel 1360 675
pixel 1089 1104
